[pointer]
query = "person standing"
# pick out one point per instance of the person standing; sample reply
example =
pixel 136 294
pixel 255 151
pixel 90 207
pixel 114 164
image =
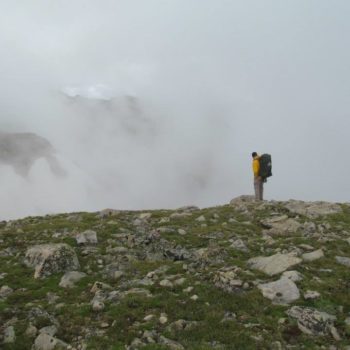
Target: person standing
pixel 258 181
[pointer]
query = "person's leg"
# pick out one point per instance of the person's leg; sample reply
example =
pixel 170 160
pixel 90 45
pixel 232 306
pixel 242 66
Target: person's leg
pixel 257 189
pixel 261 189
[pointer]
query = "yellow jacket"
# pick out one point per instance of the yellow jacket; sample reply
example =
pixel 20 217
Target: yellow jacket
pixel 256 166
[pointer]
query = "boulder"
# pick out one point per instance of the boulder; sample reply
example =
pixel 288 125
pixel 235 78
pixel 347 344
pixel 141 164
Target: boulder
pixel 343 260
pixel 274 264
pixel 87 237
pixel 51 258
pixel 317 254
pixel 70 278
pixel 47 342
pixel 281 292
pixel 281 225
pixel 312 209
pixel 311 321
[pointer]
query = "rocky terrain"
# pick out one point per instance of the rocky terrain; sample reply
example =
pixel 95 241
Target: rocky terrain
pixel 265 275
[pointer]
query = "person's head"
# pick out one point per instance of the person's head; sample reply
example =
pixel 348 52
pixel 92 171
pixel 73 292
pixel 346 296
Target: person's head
pixel 254 154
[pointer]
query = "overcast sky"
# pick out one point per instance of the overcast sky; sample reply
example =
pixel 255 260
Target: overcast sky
pixel 210 80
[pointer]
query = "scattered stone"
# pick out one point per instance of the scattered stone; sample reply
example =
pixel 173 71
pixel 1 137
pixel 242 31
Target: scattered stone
pixel 100 286
pixel 9 335
pixel 312 209
pixel 163 318
pixel 281 292
pixel 170 344
pixel 51 258
pixel 317 254
pixel 166 283
pixel 281 225
pixel 226 279
pixel 274 264
pixel 194 297
pixel 201 218
pixel 70 278
pixel 239 245
pixel 148 318
pixel 50 330
pixel 31 331
pixel 46 342
pixel 295 276
pixel 311 294
pixel 98 305
pixel 343 260
pixel 188 290
pixel 87 237
pixel 5 291
pixel 311 321
pixel 181 232
pixel 145 216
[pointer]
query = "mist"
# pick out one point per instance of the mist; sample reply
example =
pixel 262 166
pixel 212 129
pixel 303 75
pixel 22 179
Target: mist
pixel 159 104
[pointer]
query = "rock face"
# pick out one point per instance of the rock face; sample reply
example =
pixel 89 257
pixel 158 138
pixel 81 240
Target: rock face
pixel 312 322
pixel 281 292
pixel 51 258
pixel 274 264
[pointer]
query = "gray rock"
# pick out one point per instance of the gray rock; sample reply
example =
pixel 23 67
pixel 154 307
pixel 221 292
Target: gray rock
pixel 5 291
pixel 9 335
pixel 311 321
pixel 313 209
pixel 50 330
pixel 343 260
pixel 295 276
pixel 87 237
pixel 317 254
pixel 281 225
pixel 274 264
pixel 239 245
pixel 51 258
pixel 311 294
pixel 47 342
pixel 70 278
pixel 281 292
pixel 170 344
pixel 226 279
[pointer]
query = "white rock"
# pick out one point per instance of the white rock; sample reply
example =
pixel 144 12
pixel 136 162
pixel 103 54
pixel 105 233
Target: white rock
pixel 87 237
pixel 201 218
pixel 317 254
pixel 51 258
pixel 293 275
pixel 194 297
pixel 145 216
pixel 343 260
pixel 163 318
pixel 181 232
pixel 311 294
pixel 46 342
pixel 5 291
pixel 281 292
pixel 70 278
pixel 166 283
pixel 9 335
pixel 148 318
pixel 274 264
pixel 98 305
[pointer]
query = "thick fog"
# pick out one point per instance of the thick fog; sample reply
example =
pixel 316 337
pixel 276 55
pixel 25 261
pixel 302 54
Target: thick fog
pixel 160 103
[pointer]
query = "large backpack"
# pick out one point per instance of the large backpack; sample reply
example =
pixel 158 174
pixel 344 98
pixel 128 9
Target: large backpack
pixel 265 166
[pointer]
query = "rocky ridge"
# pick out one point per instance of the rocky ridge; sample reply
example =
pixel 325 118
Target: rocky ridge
pixel 248 275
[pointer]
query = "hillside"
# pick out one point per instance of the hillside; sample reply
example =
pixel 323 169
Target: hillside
pixel 247 275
